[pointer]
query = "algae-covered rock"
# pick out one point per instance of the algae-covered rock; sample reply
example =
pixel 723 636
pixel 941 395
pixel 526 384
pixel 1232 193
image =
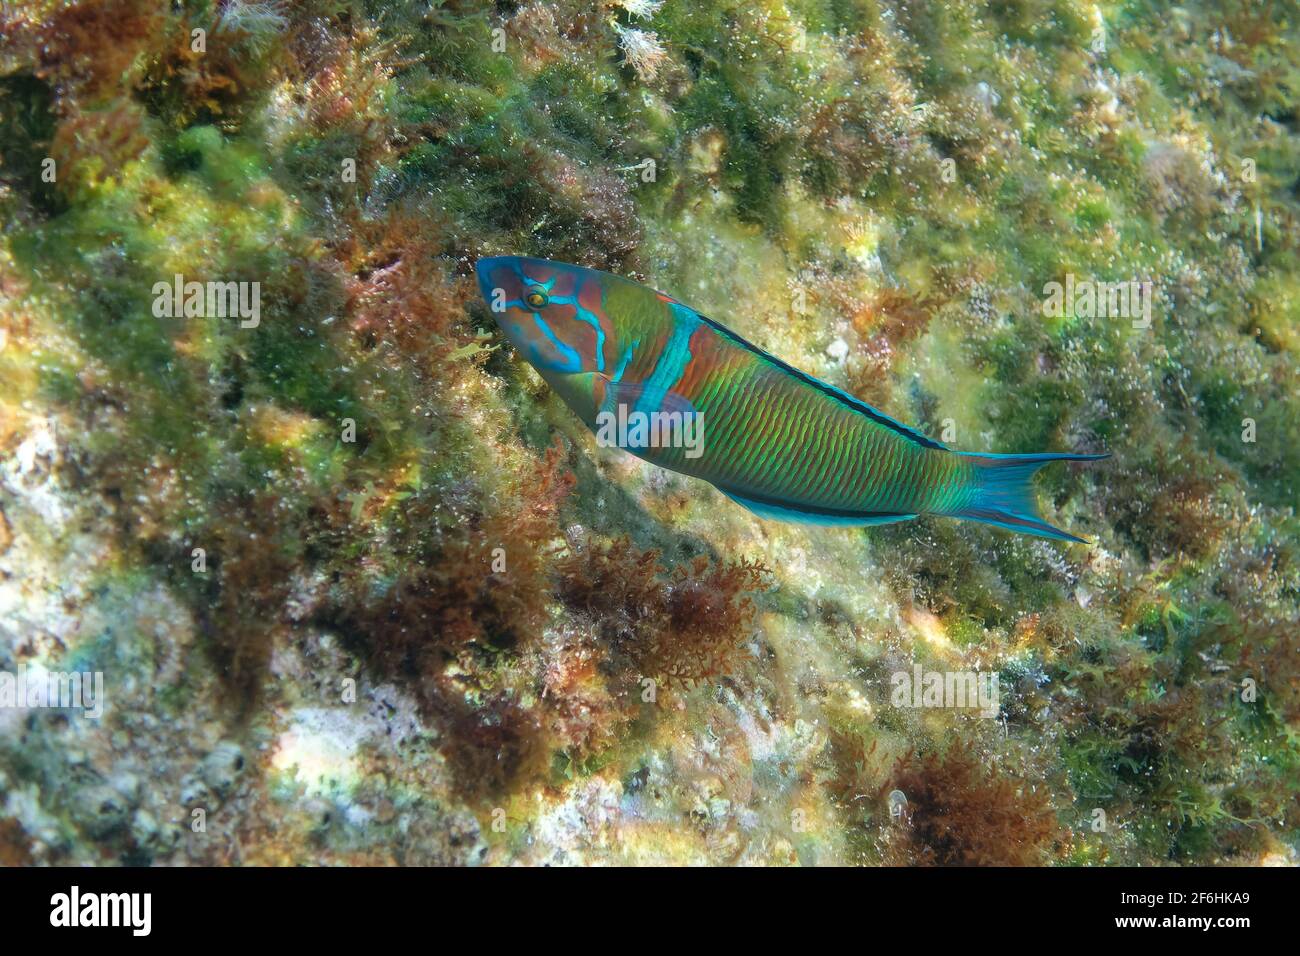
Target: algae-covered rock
pixel 302 562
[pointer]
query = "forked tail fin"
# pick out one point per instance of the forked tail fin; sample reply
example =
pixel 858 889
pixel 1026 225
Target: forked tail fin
pixel 1005 497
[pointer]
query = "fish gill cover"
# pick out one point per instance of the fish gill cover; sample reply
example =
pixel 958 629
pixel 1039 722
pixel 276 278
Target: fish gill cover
pixel 343 580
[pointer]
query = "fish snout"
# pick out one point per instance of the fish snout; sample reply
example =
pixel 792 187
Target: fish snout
pixel 498 278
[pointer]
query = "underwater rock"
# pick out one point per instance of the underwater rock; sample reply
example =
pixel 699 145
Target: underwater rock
pixel 361 590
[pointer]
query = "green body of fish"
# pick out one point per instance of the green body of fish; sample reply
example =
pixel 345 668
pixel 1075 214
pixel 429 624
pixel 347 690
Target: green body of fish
pixel 654 376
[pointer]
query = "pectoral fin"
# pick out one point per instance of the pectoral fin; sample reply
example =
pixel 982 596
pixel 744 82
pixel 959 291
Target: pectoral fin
pixel 635 396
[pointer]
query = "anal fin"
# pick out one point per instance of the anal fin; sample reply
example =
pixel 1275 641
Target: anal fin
pixel 814 514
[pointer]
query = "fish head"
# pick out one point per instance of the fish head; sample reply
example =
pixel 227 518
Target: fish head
pixel 552 312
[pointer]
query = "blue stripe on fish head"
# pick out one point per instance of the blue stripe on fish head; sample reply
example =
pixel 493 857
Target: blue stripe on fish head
pixel 550 311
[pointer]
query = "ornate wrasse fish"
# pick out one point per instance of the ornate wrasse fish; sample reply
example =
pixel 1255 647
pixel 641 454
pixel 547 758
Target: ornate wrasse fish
pixel 775 439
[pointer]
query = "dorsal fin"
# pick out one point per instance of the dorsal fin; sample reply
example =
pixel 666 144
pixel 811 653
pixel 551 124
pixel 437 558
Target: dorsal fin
pixel 875 414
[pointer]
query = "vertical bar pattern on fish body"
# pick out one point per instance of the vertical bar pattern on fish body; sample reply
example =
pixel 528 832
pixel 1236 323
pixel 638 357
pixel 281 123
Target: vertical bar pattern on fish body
pixel 770 432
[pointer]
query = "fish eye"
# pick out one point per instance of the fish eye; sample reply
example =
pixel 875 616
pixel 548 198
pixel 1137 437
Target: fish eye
pixel 536 298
